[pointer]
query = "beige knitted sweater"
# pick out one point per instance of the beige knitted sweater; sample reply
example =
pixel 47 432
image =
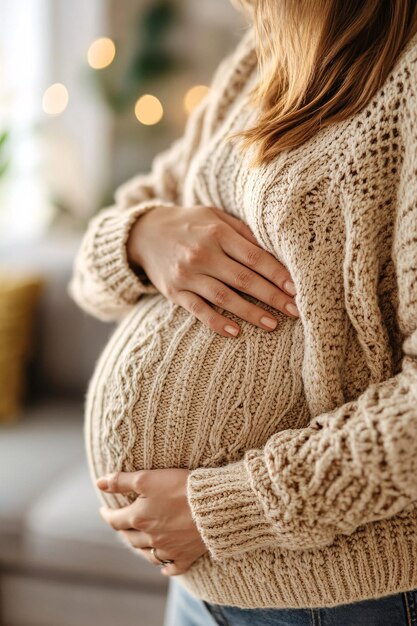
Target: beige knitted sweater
pixel 303 441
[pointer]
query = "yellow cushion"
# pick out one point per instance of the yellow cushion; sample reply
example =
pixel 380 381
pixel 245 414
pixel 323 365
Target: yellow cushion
pixel 19 295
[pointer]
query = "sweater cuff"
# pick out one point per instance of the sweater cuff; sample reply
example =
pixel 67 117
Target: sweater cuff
pixel 224 507
pixel 109 252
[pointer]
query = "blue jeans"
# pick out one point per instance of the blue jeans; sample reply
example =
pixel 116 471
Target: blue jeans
pixel 183 609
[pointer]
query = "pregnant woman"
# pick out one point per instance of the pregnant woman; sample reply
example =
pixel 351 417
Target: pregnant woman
pixel 252 422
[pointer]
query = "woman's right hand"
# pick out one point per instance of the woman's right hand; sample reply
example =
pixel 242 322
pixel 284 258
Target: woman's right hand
pixel 201 255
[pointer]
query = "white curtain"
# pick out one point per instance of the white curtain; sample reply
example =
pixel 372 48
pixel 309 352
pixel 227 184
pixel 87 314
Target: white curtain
pixel 63 158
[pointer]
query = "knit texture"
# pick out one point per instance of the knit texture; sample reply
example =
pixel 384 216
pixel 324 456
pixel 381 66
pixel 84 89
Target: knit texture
pixel 301 441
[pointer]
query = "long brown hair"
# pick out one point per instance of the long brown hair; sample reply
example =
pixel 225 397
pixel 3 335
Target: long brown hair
pixel 320 62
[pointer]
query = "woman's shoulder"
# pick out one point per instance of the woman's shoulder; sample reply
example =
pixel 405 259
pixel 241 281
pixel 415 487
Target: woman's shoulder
pixel 385 119
pixel 403 77
pixel 400 93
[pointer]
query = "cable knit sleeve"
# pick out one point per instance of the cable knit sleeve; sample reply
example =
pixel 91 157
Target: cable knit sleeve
pixel 352 466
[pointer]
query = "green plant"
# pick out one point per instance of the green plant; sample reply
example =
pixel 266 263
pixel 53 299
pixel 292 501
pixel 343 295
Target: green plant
pixel 4 160
pixel 151 58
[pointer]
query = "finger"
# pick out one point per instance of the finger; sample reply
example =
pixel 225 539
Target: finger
pixel 136 538
pixel 242 228
pixel 147 553
pixel 175 569
pixel 161 555
pixel 221 295
pixel 125 518
pixel 206 314
pixel 122 482
pixel 258 260
pixel 246 280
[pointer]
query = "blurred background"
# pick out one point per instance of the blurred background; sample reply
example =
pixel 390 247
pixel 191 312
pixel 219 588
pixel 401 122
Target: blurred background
pixel 90 91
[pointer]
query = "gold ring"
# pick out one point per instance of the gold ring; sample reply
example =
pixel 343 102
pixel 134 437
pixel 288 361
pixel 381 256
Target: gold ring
pixel 161 561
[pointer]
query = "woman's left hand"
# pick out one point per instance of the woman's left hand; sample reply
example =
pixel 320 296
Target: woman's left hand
pixel 160 517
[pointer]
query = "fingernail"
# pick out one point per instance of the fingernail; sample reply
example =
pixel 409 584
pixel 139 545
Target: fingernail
pixel 291 308
pixel 269 322
pixel 290 287
pixel 102 483
pixel 232 330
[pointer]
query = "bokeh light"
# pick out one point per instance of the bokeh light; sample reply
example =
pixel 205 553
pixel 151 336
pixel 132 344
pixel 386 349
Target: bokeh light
pixel 194 96
pixel 149 110
pixel 101 53
pixel 55 99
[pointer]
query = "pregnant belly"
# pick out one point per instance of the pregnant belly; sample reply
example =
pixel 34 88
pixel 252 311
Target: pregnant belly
pixel 169 392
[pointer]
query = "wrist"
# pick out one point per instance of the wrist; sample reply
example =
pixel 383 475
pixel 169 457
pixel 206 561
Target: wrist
pixel 140 233
pixel 134 245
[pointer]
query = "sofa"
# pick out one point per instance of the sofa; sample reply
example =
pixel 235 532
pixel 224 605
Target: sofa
pixel 60 564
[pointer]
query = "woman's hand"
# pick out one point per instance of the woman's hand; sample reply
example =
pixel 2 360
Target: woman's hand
pixel 201 255
pixel 160 517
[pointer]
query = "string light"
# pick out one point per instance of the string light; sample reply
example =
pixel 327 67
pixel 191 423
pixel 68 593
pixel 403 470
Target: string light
pixel 55 99
pixel 149 110
pixel 194 96
pixel 101 53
